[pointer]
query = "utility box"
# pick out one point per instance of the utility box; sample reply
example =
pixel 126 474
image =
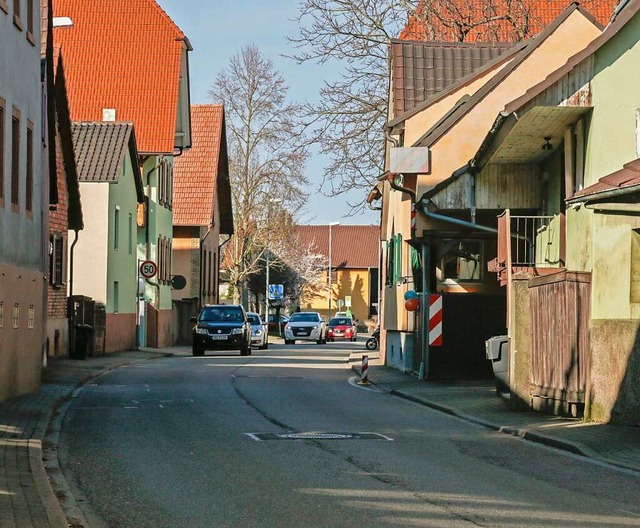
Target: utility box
pixel 497 349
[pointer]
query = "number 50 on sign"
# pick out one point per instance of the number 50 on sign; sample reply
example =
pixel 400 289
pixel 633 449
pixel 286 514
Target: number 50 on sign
pixel 148 269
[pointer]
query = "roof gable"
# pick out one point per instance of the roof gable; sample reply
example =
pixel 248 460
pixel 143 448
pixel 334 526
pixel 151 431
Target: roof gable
pixel 100 149
pixel 352 246
pixel 125 55
pixel 195 172
pixel 437 132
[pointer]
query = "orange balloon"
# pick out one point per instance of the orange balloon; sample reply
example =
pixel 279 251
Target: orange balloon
pixel 411 304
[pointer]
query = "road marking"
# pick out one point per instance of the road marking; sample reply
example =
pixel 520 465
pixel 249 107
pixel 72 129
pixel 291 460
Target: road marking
pixel 317 435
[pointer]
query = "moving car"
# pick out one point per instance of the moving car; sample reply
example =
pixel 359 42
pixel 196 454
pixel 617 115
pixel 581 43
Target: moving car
pixel 221 327
pixel 259 333
pixel 305 326
pixel 342 328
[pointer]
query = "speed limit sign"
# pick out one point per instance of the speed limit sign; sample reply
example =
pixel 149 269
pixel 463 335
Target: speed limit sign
pixel 148 269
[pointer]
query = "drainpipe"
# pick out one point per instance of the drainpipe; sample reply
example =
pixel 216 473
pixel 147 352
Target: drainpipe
pixel 73 245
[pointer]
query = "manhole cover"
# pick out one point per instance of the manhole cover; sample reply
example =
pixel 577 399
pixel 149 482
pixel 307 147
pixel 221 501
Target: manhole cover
pixel 317 436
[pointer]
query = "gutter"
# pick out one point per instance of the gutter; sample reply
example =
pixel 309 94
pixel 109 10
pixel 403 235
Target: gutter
pixel 422 206
pixel 603 195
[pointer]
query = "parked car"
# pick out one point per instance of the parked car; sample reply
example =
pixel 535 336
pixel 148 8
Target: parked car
pixel 342 328
pixel 273 327
pixel 259 333
pixel 305 326
pixel 221 327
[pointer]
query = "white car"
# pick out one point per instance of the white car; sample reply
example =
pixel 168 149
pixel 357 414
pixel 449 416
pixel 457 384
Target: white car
pixel 259 333
pixel 305 326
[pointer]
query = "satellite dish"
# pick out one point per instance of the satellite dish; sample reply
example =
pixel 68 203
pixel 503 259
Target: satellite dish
pixel 178 282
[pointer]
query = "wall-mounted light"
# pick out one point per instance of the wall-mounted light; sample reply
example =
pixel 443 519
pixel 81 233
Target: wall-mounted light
pixel 547 143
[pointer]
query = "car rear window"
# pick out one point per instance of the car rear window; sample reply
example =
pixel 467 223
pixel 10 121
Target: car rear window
pixel 225 314
pixel 304 317
pixel 340 321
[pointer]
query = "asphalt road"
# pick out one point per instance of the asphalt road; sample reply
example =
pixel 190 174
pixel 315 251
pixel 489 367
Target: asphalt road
pixel 230 441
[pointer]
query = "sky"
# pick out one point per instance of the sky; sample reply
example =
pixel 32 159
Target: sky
pixel 217 31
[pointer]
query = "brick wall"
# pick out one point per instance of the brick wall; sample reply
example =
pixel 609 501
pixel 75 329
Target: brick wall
pixel 58 223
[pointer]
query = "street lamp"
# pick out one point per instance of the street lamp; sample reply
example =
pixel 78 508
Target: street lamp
pixel 331 224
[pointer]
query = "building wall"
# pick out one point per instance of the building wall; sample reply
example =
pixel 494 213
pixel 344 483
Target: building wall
pixel 90 254
pixel 118 335
pixel 57 322
pixel 345 282
pixel 615 309
pixel 22 265
pixel 461 143
pixel 615 104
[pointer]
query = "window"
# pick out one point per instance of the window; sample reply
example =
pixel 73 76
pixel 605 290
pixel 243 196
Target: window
pixel 29 196
pixel 15 159
pixel 30 22
pixel 389 266
pixel 31 317
pixel 1 314
pixel 57 259
pixel 116 228
pixel 462 260
pixel 16 315
pixel 116 297
pixel 397 259
pixel 16 15
pixel 2 103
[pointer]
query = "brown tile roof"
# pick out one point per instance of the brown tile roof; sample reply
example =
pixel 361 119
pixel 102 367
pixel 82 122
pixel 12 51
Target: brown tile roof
pixel 627 178
pixel 195 173
pixel 541 14
pixel 352 246
pixel 124 54
pixel 422 69
pixel 100 150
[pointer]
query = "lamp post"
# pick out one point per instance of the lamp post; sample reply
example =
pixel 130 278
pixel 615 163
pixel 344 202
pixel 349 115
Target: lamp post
pixel 266 252
pixel 331 224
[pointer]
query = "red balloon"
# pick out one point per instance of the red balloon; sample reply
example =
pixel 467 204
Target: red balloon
pixel 411 304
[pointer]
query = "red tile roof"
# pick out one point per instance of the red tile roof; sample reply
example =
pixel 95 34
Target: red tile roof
pixel 626 178
pixel 195 173
pixel 123 54
pixel 352 246
pixel 542 13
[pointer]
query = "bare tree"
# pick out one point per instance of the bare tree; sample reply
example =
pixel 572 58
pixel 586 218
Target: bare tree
pixel 348 119
pixel 267 160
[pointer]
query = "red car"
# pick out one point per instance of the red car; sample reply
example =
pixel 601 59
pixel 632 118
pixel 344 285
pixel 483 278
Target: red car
pixel 342 328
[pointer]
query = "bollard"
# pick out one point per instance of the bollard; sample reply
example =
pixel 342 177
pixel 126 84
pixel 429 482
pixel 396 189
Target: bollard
pixel 364 376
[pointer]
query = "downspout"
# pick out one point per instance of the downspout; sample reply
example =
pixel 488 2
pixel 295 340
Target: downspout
pixel 73 245
pixel 220 246
pixel 202 272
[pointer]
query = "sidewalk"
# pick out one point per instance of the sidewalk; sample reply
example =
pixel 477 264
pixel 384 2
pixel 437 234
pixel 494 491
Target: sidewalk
pixel 478 402
pixel 26 497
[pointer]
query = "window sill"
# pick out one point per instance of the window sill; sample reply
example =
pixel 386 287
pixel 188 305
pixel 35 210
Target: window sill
pixel 18 23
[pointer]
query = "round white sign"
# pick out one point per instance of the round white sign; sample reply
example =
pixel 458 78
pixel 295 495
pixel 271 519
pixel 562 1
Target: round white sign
pixel 148 269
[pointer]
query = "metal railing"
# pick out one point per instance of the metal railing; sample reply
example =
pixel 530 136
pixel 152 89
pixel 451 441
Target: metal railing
pixel 535 241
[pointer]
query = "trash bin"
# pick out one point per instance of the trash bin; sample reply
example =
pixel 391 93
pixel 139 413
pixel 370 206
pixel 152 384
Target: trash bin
pixel 84 333
pixel 497 349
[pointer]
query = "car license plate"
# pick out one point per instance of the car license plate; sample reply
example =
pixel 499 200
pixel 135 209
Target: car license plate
pixel 338 332
pixel 218 337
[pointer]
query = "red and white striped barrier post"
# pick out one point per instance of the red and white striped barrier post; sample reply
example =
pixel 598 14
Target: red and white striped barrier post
pixel 364 376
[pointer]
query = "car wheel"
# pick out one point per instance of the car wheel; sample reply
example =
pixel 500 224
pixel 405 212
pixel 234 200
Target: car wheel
pixel 197 351
pixel 245 351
